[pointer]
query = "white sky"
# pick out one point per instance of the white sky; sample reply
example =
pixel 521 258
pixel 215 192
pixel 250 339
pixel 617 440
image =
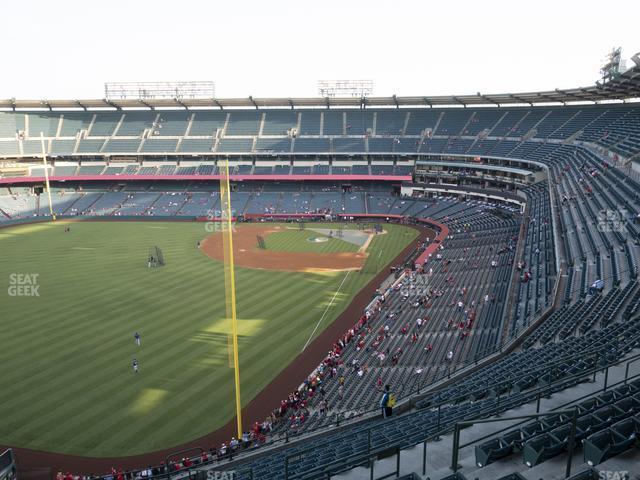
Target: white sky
pixel 280 48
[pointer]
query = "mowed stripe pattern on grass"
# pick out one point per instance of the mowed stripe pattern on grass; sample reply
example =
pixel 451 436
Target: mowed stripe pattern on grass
pixel 68 385
pixel 291 240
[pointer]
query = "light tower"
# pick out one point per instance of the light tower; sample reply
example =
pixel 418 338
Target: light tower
pixel 611 67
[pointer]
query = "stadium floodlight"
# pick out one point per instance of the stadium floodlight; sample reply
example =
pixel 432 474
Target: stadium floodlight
pixel 159 90
pixel 611 67
pixel 345 88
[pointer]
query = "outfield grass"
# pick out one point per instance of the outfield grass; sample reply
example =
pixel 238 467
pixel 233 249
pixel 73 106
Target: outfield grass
pixel 68 384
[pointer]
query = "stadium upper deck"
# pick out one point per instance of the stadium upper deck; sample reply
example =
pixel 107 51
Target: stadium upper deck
pixel 314 132
pixel 402 127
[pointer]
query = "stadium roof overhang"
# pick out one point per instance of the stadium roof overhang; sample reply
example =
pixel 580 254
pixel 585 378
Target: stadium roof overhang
pixel 625 87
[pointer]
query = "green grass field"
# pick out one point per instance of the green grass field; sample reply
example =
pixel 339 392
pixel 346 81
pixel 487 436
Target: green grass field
pixel 67 380
pixel 292 240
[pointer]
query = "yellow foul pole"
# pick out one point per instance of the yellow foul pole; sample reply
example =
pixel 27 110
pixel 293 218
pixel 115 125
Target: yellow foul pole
pixel 225 198
pixel 46 175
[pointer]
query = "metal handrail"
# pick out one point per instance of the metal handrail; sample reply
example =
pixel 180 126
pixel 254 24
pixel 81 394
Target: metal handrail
pixel 539 390
pixel 572 436
pixel 604 388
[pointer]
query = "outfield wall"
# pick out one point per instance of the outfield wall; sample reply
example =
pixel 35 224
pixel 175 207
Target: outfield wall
pixel 207 178
pixel 99 218
pixel 23 221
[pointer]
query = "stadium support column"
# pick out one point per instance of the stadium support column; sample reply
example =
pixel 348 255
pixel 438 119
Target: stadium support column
pixel 230 283
pixel 46 175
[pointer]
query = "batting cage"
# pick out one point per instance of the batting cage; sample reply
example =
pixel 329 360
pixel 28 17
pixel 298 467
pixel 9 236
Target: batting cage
pixel 155 258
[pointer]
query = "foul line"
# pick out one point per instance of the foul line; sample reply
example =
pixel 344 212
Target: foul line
pixel 325 311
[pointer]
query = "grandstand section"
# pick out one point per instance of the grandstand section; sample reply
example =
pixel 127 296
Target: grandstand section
pixel 250 133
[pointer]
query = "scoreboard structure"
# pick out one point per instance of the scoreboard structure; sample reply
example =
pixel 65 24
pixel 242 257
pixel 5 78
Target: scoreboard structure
pixel 159 90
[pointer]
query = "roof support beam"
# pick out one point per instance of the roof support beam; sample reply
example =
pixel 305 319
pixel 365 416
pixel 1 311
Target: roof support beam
pixel 487 99
pixel 456 99
pixel 520 100
pixel 571 95
pixel 632 82
pixel 551 99
pixel 110 103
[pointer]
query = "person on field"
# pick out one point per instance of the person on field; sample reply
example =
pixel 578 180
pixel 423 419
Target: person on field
pixel 137 337
pixel 135 365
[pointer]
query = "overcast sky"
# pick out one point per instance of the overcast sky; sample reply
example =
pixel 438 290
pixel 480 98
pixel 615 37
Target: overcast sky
pixel 280 48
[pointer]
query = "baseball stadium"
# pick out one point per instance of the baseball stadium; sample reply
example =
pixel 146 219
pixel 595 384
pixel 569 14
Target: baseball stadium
pixel 343 286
